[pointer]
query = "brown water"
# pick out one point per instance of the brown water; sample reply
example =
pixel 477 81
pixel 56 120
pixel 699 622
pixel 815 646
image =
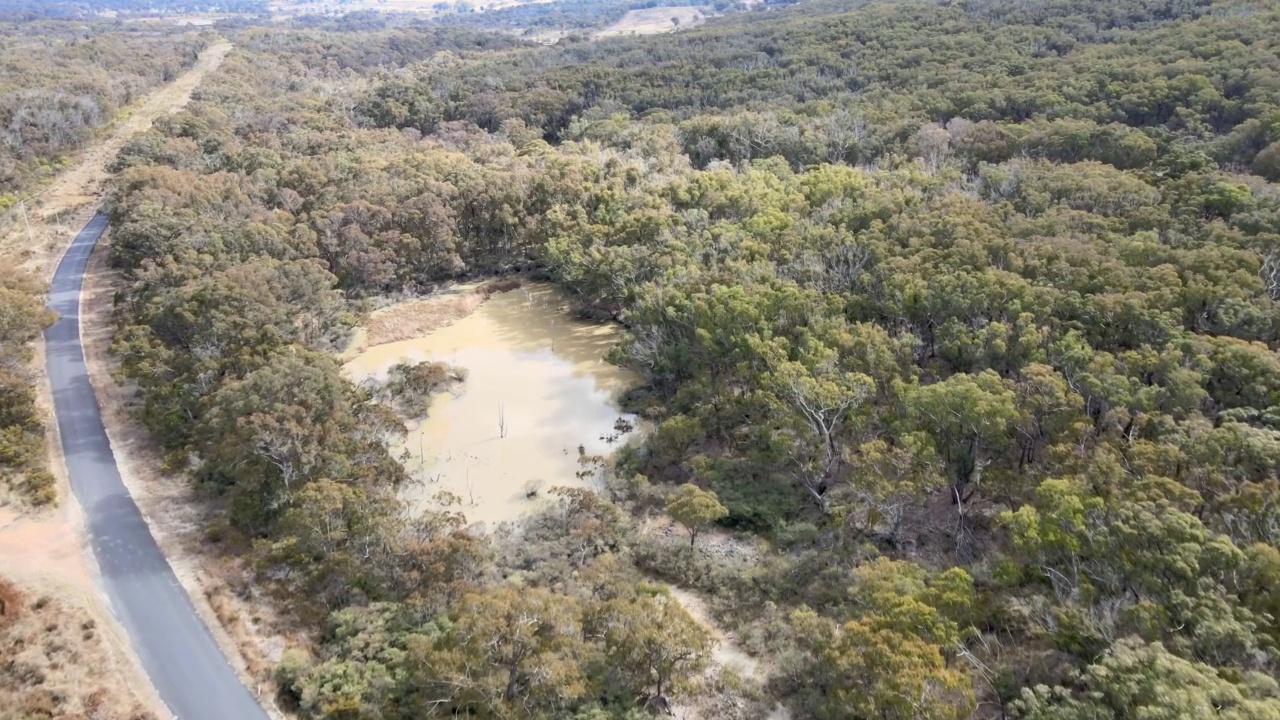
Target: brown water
pixel 538 388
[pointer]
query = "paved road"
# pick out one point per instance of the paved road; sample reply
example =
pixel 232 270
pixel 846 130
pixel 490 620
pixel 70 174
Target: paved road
pixel 177 651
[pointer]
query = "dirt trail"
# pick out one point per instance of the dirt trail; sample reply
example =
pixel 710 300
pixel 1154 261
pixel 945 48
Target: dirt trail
pixel 727 653
pixel 45 553
pixel 59 210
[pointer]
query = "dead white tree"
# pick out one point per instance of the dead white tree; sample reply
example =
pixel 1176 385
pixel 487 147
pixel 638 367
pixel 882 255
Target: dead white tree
pixel 844 133
pixel 1270 273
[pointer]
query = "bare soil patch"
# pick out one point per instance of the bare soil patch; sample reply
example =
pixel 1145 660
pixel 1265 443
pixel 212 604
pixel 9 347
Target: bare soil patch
pixel 729 697
pixel 416 318
pixel 727 653
pixel 423 316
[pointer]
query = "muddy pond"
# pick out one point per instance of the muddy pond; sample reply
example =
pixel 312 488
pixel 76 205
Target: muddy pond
pixel 537 391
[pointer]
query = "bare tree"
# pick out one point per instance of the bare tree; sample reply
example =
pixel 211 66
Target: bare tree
pixel 844 132
pixel 934 145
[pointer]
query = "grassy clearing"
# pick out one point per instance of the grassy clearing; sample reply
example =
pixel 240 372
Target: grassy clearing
pixel 652 21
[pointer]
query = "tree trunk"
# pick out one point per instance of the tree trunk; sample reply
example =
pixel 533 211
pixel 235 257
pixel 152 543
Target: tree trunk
pixel 512 685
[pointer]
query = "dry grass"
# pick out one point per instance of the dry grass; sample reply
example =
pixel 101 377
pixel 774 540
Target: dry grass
pixel 419 317
pixel 416 318
pixel 652 21
pixel 58 660
pixel 91 674
pixel 194 19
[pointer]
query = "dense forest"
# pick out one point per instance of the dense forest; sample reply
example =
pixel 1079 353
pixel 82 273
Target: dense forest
pixel 968 311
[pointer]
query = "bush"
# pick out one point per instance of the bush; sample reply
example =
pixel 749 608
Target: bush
pixel 411 386
pixel 293 665
pixel 41 488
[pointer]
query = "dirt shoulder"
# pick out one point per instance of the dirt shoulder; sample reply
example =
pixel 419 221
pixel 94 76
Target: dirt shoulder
pixel 63 653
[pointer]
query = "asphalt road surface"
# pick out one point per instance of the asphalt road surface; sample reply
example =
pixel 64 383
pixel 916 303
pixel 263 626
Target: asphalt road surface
pixel 177 651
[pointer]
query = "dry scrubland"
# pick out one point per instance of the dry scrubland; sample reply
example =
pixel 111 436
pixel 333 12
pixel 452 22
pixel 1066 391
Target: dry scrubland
pixel 975 348
pixel 59 660
pixel 58 210
pixel 959 367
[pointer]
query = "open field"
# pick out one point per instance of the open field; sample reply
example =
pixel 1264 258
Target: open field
pixel 652 21
pixel 194 20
